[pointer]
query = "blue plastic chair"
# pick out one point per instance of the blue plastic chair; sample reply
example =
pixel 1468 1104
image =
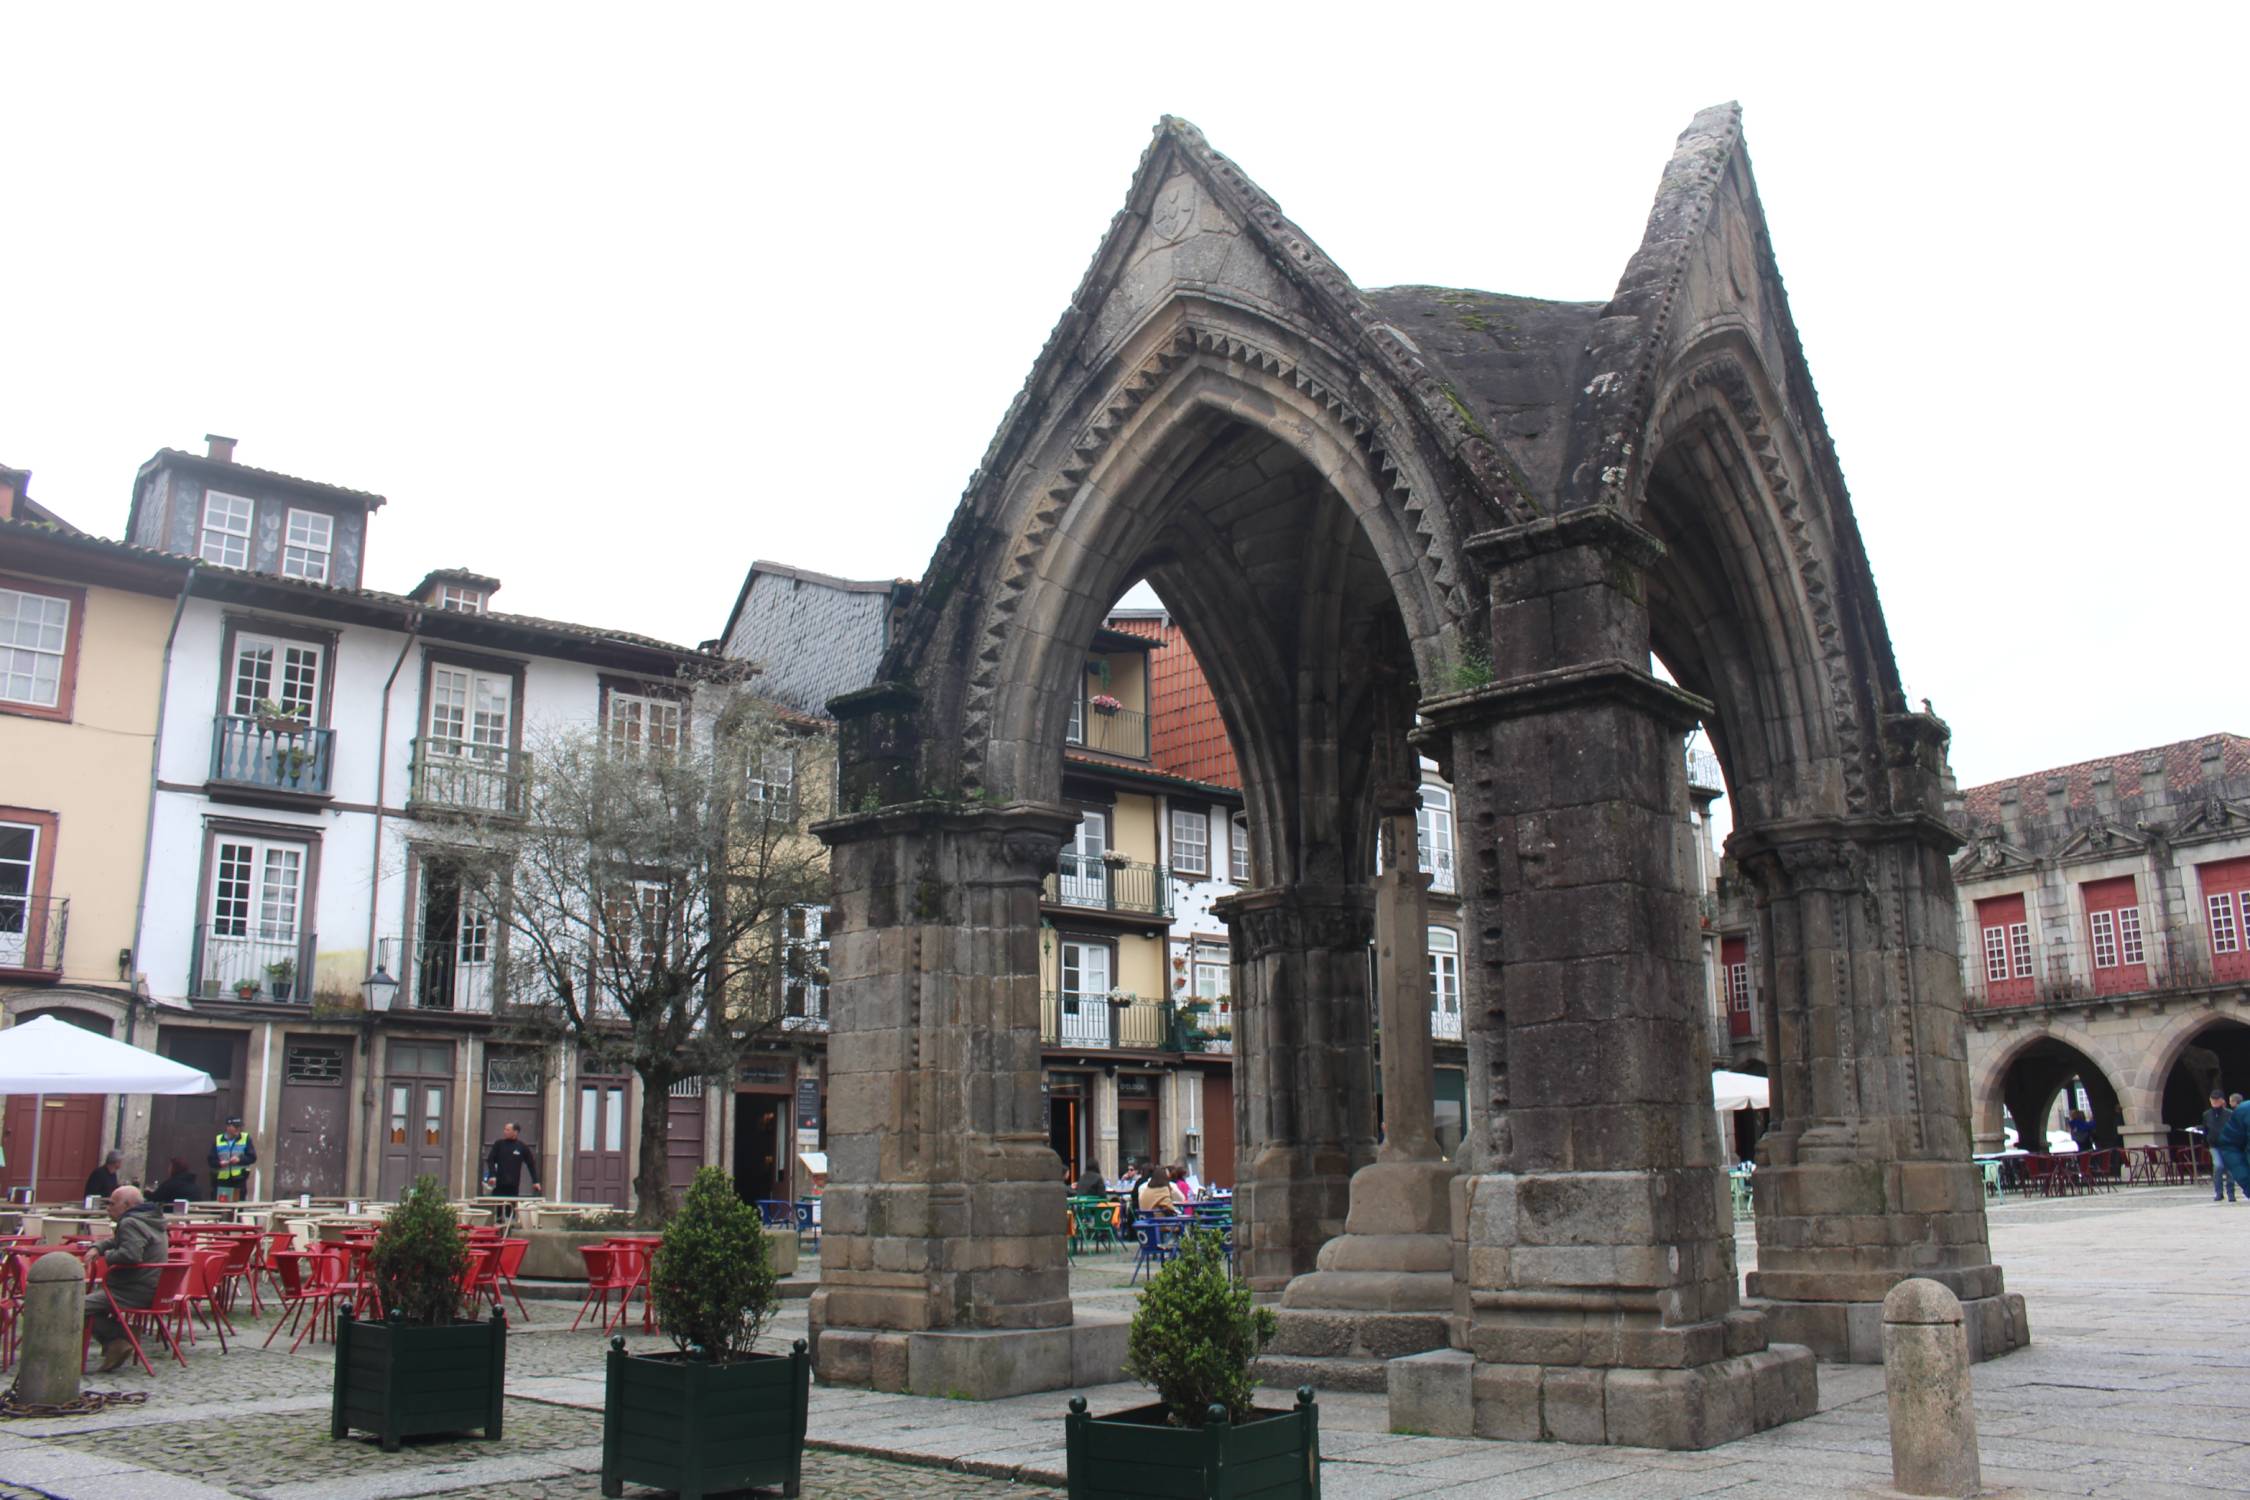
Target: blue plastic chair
pixel 1159 1240
pixel 808 1227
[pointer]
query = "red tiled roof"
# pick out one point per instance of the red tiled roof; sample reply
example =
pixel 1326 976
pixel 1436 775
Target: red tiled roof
pixel 1186 735
pixel 2183 765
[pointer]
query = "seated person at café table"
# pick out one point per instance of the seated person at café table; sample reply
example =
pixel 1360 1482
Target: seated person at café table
pixel 179 1184
pixel 132 1253
pixel 1090 1184
pixel 1156 1195
pixel 102 1181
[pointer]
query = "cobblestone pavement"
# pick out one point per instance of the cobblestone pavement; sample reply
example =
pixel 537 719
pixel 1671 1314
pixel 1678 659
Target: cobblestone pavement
pixel 2134 1389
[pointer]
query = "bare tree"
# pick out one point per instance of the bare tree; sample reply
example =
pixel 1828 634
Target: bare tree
pixel 643 894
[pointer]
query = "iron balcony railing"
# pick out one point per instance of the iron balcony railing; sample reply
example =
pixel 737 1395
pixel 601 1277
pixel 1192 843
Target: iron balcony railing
pixel 1067 1020
pixel 1438 865
pixel 32 929
pixel 1445 1025
pixel 1703 771
pixel 450 975
pixel 459 776
pixel 273 754
pixel 2177 956
pixel 1100 883
pixel 1120 731
pixel 254 964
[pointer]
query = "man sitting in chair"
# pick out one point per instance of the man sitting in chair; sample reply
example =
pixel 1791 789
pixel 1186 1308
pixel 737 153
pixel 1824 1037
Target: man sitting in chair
pixel 132 1253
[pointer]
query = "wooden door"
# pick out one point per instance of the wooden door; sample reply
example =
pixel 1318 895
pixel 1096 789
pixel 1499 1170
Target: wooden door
pixel 601 1165
pixel 70 1143
pixel 416 1115
pixel 312 1146
pixel 185 1125
pixel 515 1093
pixel 683 1140
pixel 1218 1129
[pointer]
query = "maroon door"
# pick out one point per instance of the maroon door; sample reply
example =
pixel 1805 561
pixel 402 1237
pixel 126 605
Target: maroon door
pixel 601 1162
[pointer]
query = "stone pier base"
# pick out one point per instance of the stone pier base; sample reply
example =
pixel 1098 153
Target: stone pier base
pixel 1383 1288
pixel 981 1366
pixel 1449 1393
pixel 1852 1332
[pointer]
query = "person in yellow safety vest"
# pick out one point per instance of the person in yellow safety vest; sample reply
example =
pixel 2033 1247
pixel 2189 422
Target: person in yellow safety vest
pixel 232 1156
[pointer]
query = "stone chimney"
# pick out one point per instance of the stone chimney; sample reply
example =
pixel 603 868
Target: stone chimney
pixel 2156 786
pixel 221 449
pixel 2105 792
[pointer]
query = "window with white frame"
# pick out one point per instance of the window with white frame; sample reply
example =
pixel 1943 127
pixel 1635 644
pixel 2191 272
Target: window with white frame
pixel 804 962
pixel 1191 841
pixel 304 551
pixel 2104 925
pixel 639 925
pixel 1995 954
pixel 1433 836
pixel 2019 948
pixel 1238 853
pixel 281 673
pixel 19 872
pixel 773 782
pixel 254 918
pixel 1444 956
pixel 454 599
pixel 226 530
pixel 1211 973
pixel 34 641
pixel 1738 986
pixel 640 724
pixel 2226 934
pixel 2129 935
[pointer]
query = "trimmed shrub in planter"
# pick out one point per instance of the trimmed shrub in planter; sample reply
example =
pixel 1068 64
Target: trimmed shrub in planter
pixel 1194 1335
pixel 424 1368
pixel 711 1415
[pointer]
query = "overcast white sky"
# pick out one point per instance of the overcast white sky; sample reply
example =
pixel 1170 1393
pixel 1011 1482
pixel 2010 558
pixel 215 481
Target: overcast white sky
pixel 609 302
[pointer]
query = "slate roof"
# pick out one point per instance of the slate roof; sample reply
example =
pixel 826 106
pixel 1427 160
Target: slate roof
pixel 207 467
pixel 2188 777
pixel 376 601
pixel 1517 363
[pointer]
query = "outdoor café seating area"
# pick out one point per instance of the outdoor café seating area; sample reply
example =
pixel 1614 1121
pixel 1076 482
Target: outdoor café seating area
pixel 304 1260
pixel 1109 1224
pixel 2059 1174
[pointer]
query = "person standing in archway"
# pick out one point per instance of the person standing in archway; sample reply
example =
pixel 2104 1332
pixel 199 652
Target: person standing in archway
pixel 2234 1144
pixel 2214 1121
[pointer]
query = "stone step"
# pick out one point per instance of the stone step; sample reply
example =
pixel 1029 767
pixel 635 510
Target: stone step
pixel 1287 1372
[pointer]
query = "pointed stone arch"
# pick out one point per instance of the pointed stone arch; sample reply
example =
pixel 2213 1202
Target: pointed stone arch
pixel 1482 513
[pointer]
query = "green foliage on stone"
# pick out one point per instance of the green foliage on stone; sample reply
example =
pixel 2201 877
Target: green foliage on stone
pixel 712 1281
pixel 419 1255
pixel 1195 1333
pixel 1473 670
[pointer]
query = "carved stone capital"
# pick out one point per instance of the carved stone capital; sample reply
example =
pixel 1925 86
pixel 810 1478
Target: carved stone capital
pixel 1297 919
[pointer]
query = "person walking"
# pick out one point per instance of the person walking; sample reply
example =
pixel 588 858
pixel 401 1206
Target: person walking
pixel 2214 1120
pixel 505 1167
pixel 132 1254
pixel 233 1154
pixel 2234 1145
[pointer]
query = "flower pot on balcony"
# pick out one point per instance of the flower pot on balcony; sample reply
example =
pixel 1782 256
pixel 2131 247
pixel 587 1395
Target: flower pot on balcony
pixel 246 989
pixel 702 1427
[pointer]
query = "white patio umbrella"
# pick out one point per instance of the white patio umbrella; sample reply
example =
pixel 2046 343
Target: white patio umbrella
pixel 45 1056
pixel 1732 1091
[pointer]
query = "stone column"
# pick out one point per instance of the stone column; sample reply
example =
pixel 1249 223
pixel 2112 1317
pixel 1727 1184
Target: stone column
pixel 943 1265
pixel 1864 1178
pixel 1304 1088
pixel 1596 1297
pixel 1385 1287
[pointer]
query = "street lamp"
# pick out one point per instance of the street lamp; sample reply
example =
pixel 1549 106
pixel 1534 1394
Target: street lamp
pixel 378 989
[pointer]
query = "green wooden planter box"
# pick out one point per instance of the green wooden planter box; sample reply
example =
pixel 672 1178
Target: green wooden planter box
pixel 702 1429
pixel 1138 1455
pixel 399 1380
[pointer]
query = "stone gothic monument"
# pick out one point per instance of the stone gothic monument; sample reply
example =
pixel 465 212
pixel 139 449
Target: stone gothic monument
pixel 1453 523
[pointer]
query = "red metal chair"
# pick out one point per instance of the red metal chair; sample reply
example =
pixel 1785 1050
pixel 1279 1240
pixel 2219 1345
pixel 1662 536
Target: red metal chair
pixel 634 1254
pixel 602 1267
pixel 166 1312
pixel 301 1279
pixel 206 1285
pixel 470 1283
pixel 500 1275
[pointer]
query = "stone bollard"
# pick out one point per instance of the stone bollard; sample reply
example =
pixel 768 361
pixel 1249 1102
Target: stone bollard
pixel 1926 1376
pixel 54 1323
